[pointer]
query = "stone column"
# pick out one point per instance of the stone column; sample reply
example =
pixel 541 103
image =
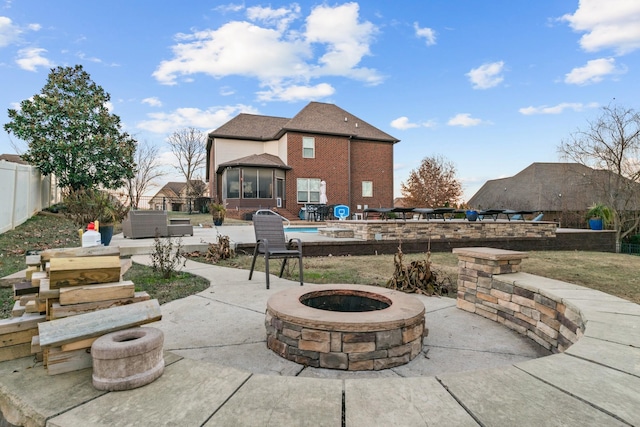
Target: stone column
pixel 476 268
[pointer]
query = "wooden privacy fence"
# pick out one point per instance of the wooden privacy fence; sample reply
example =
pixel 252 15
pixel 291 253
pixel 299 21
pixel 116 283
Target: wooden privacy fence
pixel 23 192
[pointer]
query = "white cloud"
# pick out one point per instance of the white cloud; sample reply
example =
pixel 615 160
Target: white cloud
pixel 557 109
pixel 403 123
pixel 464 120
pixel 427 33
pixel 607 24
pixel 296 92
pixel 332 42
pixel 593 72
pixel 487 75
pixel 8 31
pixel 231 7
pixel 226 91
pixel 153 101
pixel 280 18
pixel 31 58
pixel 193 117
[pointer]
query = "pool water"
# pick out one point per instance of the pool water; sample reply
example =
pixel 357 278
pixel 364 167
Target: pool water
pixel 301 230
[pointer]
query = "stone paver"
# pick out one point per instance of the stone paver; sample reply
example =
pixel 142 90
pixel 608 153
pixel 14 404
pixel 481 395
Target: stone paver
pixel 510 397
pixel 402 401
pixel 187 394
pixel 608 389
pixel 283 401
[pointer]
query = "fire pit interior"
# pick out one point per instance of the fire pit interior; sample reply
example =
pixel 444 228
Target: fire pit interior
pixel 350 327
pixel 345 300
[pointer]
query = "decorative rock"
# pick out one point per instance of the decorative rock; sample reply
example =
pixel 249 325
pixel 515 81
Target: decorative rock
pixel 127 359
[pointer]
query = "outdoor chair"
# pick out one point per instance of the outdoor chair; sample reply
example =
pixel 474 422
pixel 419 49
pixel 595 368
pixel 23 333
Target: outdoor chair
pixel 271 243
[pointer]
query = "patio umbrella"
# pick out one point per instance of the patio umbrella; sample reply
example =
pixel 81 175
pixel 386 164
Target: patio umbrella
pixel 323 192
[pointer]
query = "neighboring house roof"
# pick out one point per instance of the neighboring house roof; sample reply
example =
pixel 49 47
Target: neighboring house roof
pixel 13 158
pixel 174 189
pixel 256 160
pixel 316 117
pixel 545 187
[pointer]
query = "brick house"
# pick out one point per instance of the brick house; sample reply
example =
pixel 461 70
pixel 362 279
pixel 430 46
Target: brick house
pixel 173 196
pixel 562 191
pixel 258 162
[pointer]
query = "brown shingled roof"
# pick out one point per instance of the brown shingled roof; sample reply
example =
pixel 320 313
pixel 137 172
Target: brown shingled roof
pixel 545 187
pixel 256 160
pixel 316 117
pixel 13 158
pixel 251 126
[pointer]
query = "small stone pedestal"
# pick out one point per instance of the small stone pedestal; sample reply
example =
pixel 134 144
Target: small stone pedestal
pixel 127 359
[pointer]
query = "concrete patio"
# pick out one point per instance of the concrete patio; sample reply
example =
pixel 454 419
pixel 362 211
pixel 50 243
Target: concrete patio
pixel 472 371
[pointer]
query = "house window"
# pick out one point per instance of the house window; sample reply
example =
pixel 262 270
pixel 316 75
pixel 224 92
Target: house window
pixel 308 147
pixel 367 188
pixel 249 183
pixel 265 184
pixel 308 190
pixel 233 183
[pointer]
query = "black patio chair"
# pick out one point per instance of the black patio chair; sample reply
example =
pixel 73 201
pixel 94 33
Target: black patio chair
pixel 271 243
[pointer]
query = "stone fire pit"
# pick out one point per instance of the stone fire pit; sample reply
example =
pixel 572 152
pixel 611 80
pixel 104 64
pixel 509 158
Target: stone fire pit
pixel 349 327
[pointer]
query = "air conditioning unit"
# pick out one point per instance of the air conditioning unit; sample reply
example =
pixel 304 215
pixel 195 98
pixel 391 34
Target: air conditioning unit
pixel 279 202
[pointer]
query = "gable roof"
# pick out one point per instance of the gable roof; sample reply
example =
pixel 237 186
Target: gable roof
pixel 256 160
pixel 174 189
pixel 545 187
pixel 13 158
pixel 316 117
pixel 250 126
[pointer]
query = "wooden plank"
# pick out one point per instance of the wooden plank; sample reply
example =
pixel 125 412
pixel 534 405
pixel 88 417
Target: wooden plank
pixel 26 321
pixel 15 352
pixel 58 332
pixel 36 276
pixel 19 337
pixel 35 344
pixel 59 361
pixel 83 271
pixel 92 251
pixel 33 260
pixel 36 306
pixel 58 311
pixel 79 344
pixel 29 271
pixel 24 288
pixel 24 299
pixel 46 291
pixel 97 293
pixel 18 309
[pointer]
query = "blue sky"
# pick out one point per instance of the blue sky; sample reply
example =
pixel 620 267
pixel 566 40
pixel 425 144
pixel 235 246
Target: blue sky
pixel 490 85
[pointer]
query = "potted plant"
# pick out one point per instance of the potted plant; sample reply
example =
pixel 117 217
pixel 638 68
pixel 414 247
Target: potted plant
pixel 218 212
pixel 599 216
pixel 88 205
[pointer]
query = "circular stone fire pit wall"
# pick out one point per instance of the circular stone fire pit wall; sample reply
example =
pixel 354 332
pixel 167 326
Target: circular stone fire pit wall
pixel 349 327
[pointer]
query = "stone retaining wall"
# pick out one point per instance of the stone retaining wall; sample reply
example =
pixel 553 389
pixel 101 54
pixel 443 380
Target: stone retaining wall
pixel 486 288
pixel 446 229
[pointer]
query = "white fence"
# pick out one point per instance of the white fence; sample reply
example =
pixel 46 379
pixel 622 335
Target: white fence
pixel 23 192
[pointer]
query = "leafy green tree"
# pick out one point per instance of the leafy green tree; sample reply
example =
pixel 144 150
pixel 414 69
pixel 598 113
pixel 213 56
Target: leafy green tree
pixel 70 132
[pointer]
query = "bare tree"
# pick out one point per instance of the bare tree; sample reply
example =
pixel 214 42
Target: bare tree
pixel 147 171
pixel 611 143
pixel 189 147
pixel 433 184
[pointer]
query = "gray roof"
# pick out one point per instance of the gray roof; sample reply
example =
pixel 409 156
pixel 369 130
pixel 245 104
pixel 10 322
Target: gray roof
pixel 13 158
pixel 256 160
pixel 545 187
pixel 316 117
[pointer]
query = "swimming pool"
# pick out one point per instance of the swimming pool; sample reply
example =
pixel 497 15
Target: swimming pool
pixel 301 230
